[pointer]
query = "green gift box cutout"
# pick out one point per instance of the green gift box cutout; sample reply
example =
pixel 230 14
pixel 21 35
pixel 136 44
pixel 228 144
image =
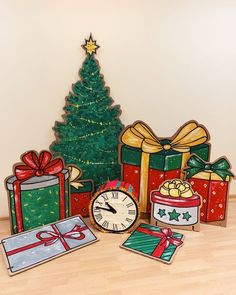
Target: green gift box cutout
pixel 39 191
pixel 154 242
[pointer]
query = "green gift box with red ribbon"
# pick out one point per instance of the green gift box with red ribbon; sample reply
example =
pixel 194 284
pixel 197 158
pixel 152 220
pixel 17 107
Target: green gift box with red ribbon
pixel 155 242
pixel 38 192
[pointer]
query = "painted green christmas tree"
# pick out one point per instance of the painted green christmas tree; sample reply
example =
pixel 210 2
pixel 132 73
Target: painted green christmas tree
pixel 89 135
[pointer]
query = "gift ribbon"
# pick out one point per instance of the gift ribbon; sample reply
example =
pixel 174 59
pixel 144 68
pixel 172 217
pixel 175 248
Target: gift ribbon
pixel 51 237
pixel 139 135
pixel 37 166
pixel 196 165
pixel 166 236
pixel 176 188
pixel 75 174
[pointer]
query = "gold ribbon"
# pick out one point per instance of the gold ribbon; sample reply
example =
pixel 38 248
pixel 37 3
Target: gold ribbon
pixel 176 188
pixel 139 135
pixel 75 174
pixel 210 175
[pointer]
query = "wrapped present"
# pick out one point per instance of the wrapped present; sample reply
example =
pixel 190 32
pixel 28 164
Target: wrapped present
pixel 175 205
pixel 155 242
pixel 28 249
pixel 38 192
pixel 211 181
pixel 81 192
pixel 148 160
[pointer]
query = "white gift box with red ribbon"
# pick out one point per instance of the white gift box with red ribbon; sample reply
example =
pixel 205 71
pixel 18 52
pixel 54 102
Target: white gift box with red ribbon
pixel 25 250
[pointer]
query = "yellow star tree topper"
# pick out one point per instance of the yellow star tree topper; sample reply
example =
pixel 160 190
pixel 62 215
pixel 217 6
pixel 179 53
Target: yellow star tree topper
pixel 90 45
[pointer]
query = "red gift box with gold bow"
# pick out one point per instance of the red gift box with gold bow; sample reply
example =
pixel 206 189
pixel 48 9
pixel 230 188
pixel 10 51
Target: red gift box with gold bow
pixel 148 160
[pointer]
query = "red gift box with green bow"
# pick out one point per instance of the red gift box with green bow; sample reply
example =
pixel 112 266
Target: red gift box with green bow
pixel 211 181
pixel 38 192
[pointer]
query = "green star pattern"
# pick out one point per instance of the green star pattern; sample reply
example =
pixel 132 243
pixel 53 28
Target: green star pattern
pixel 174 215
pixel 186 216
pixel 161 212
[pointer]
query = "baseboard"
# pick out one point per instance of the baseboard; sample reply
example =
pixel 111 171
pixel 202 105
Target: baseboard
pixel 4 218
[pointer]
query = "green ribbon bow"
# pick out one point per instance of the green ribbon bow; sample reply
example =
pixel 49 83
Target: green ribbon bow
pixel 196 165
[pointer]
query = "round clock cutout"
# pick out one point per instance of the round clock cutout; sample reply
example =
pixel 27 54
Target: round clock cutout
pixel 114 208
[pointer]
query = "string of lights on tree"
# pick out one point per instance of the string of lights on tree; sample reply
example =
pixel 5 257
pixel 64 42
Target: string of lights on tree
pixel 89 135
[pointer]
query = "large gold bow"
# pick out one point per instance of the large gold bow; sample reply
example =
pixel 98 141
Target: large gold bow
pixel 139 135
pixel 75 174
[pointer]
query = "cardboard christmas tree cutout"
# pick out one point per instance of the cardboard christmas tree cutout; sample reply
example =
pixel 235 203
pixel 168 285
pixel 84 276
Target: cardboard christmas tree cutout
pixel 88 137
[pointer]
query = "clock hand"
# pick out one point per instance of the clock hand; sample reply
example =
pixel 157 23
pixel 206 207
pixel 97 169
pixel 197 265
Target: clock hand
pixel 111 208
pixel 106 209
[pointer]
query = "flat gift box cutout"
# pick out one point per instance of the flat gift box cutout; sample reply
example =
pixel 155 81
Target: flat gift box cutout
pixel 32 248
pixel 154 242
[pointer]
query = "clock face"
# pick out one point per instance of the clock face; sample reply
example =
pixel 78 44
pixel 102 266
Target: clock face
pixel 114 211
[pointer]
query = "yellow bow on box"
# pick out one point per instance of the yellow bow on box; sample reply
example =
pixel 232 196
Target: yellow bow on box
pixel 176 188
pixel 75 173
pixel 139 135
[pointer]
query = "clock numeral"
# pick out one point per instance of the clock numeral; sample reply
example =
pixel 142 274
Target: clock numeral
pixel 123 225
pixel 99 203
pixel 128 220
pixel 97 209
pixel 124 198
pixel 98 217
pixel 105 197
pixel 115 195
pixel 129 205
pixel 115 227
pixel 131 212
pixel 105 224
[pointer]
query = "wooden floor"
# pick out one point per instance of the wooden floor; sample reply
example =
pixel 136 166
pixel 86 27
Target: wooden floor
pixel 205 265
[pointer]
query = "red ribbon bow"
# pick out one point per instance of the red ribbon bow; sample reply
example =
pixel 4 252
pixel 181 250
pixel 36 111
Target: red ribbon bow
pixel 166 236
pixel 37 166
pixel 52 237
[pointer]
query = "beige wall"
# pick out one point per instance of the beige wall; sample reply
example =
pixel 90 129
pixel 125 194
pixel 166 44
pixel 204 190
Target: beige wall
pixel 166 61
